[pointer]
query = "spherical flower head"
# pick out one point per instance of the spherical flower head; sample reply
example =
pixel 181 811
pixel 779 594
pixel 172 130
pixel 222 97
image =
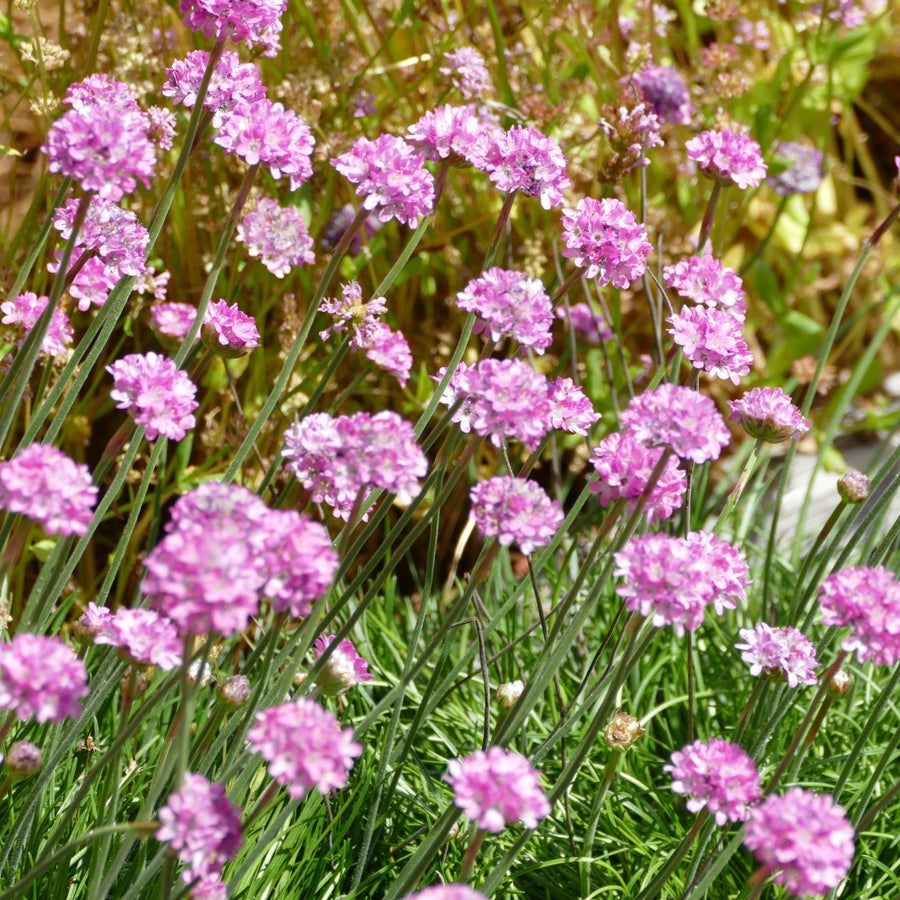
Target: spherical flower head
pixel 22 314
pixel 604 238
pixel 250 21
pixel 515 510
pixel 497 787
pixel 712 341
pixel 782 653
pixel 584 321
pixel 728 157
pixel 41 482
pixel 201 825
pixel 570 408
pixel 623 732
pixel 390 351
pixel 351 313
pixel 447 133
pixel 343 669
pixel 265 133
pixel 446 892
pixel 717 776
pixel 867 599
pixel 768 414
pixel 277 235
pixel 624 466
pixel 234 692
pixel 509 304
pixel 92 622
pixel 724 569
pixel 854 487
pixel 666 92
pixel 680 418
pixel 467 71
pixel 144 638
pixel 705 280
pixel 173 320
pixel 527 161
pixel 304 746
pixel 22 760
pixel 159 395
pixel 802 172
pixel 41 678
pixel 803 838
pixel 229 331
pixel 389 176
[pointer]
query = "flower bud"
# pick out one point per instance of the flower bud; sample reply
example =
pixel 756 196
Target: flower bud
pixel 509 693
pixel 235 691
pixel 22 759
pixel 623 731
pixel 840 683
pixel 854 487
pixel 344 668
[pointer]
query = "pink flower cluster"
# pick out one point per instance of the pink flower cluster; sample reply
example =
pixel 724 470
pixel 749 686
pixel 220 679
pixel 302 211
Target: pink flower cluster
pixel 228 330
pixel 728 157
pixel 666 92
pixel 277 235
pixel 23 312
pixel 144 637
pixel 465 67
pixel 446 892
pixel 705 280
pixel 447 133
pixel 173 320
pixel 343 669
pixel 632 130
pixel 784 653
pixel 713 341
pixel 768 414
pixel 249 21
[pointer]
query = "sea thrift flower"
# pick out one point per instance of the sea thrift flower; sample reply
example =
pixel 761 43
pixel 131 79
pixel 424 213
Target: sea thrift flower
pixel 251 21
pixel 497 787
pixel 854 487
pixel 201 825
pixel 803 838
pixel 570 408
pixel 447 133
pixel 624 466
pixel 390 351
pixel 466 69
pixel 591 326
pixel 304 746
pixel 728 157
pixel 768 414
pixel 265 133
pixel 446 892
pixel 515 509
pixel 711 340
pixel 680 418
pixel 22 313
pixel 352 314
pixel 623 732
pixel 705 280
pixel 41 678
pixel 234 692
pixel 277 235
pixel 159 395
pixel 631 132
pixel 605 239
pixel 867 598
pixel 524 160
pixel 725 568
pixel 343 669
pixel 92 622
pixel 666 92
pixel 41 482
pixel 784 653
pixel 161 127
pixel 803 173
pixel 509 304
pixel 173 320
pixel 717 776
pixel 144 637
pixel 228 330
pixel 22 759
pixel 389 176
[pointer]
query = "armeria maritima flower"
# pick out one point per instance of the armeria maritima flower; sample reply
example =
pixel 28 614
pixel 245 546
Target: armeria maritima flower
pixel 144 638
pixel 802 172
pixel 228 330
pixel 41 678
pixel 41 482
pixel 447 133
pixel 497 787
pixel 570 408
pixel 446 892
pixel 768 414
pixel 728 157
pixel 631 130
pixel 705 280
pixel 248 21
pixel 173 320
pixel 804 839
pixel 343 669
pixel 277 235
pixel 22 314
pixel 666 92
pixel 465 67
pixel 712 340
pixel 782 653
pixel 390 351
pixel 305 747
pixel 717 776
pixel 515 510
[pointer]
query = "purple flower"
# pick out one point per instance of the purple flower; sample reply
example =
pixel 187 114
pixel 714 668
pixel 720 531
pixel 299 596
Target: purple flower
pixel 389 175
pixel 802 837
pixel 93 283
pixel 338 223
pixel 510 304
pixel 22 313
pixel 515 509
pixel 680 418
pixel 705 280
pixel 277 235
pixel 728 157
pixel 41 482
pixel 527 161
pixel 666 92
pixel 466 69
pixel 144 637
pixel 202 826
pixel 497 787
pixel 717 776
pixel 605 239
pixel 446 892
pixel 447 133
pixel 390 351
pixel 712 340
pixel 338 459
pixel 351 313
pixel 783 653
pixel 674 579
pixel 803 172
pixel 173 320
pixel 867 598
pixel 161 127
pixel 228 330
pixel 570 408
pixel 582 319
pixel 41 678
pixel 22 760
pixel 265 133
pixel 304 746
pixel 252 21
pixel 624 466
pixel 343 669
pixel 159 395
pixel 768 414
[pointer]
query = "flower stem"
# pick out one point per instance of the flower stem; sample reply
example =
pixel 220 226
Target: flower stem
pixel 706 226
pixel 468 861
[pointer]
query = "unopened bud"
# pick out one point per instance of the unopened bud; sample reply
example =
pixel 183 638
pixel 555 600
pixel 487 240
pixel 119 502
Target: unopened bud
pixel 509 693
pixel 840 683
pixel 235 691
pixel 623 731
pixel 854 487
pixel 22 759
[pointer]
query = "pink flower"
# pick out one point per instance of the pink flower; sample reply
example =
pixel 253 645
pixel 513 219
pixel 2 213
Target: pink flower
pixel 173 320
pixel 466 69
pixel 497 787
pixel 23 312
pixel 277 235
pixel 304 746
pixel 41 482
pixel 582 319
pixel 144 637
pixel 515 509
pixel 705 280
pixel 666 92
pixel 728 157
pixel 631 130
pixel 446 892
pixel 390 351
pixel 228 330
pixel 159 395
pixel 343 669
pixel 251 21
pixel 448 132
pixel 803 838
pixel 41 678
pixel 712 340
pixel 717 776
pixel 570 408
pixel 784 653
pixel 389 176
pixel 768 414
pixel 351 313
